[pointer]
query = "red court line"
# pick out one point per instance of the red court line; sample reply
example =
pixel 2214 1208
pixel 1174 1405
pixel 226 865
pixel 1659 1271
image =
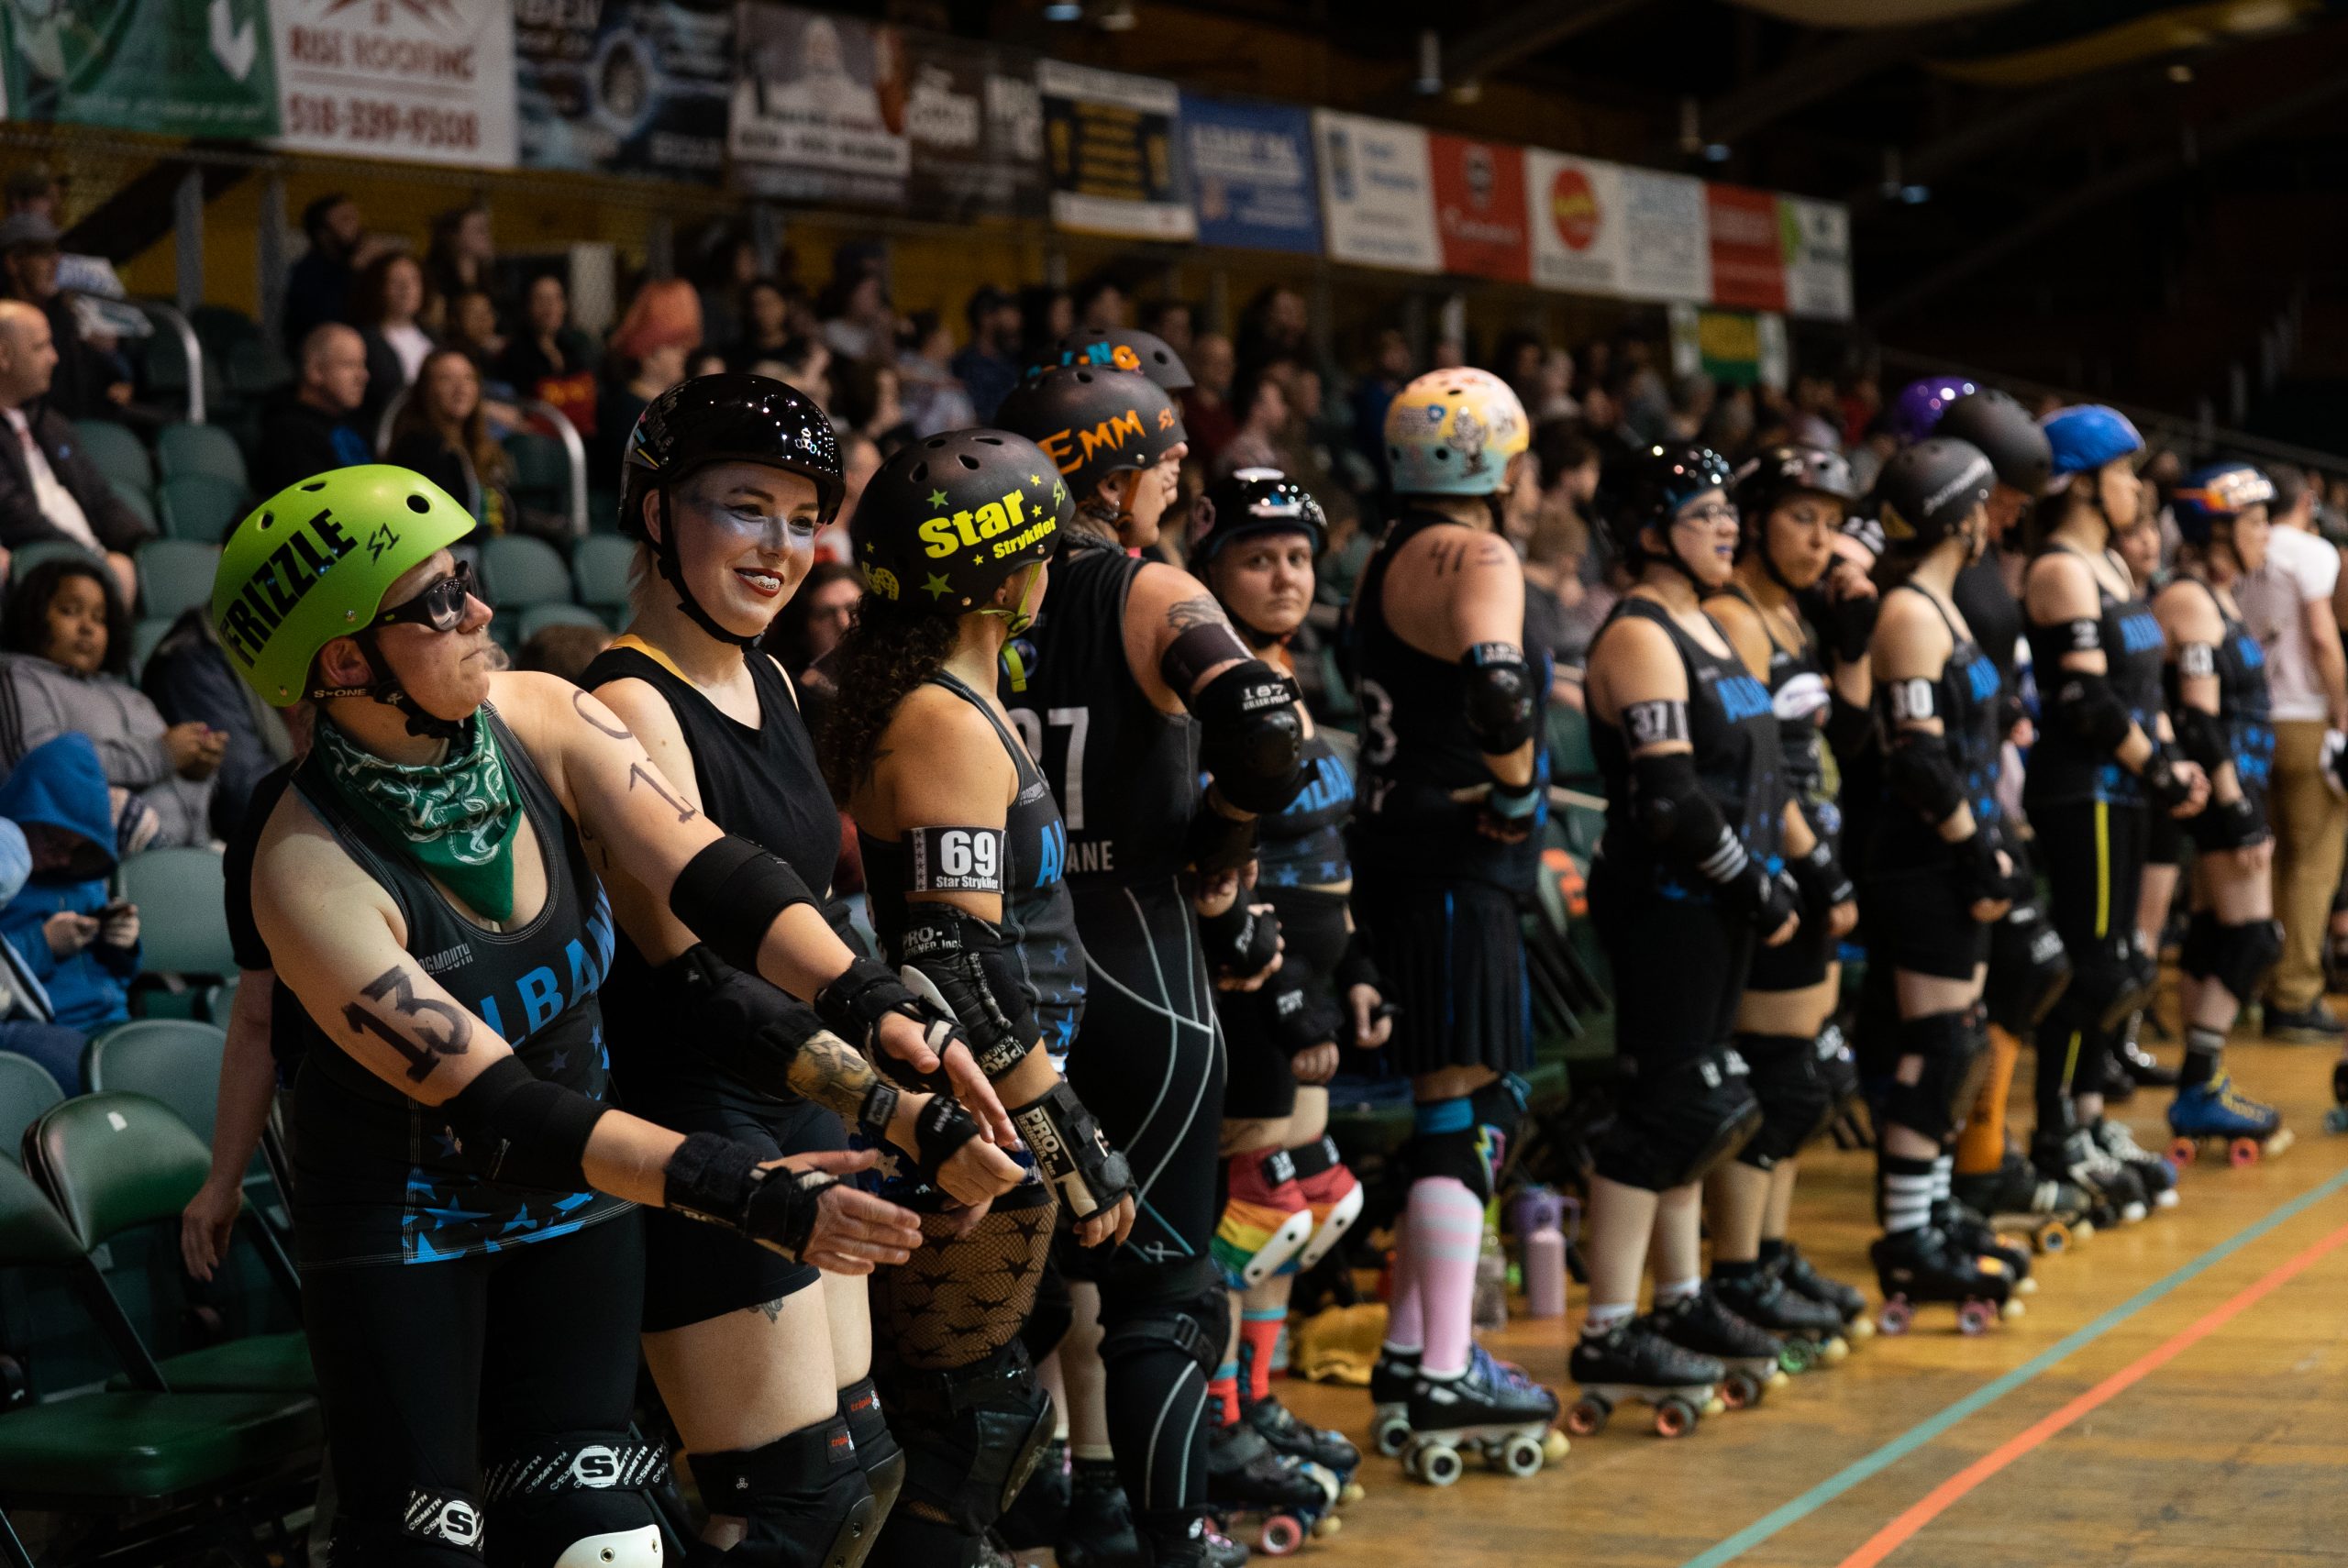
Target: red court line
pixel 1891 1536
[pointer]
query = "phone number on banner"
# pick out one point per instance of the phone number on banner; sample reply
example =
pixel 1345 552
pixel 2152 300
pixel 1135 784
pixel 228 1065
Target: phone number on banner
pixel 375 119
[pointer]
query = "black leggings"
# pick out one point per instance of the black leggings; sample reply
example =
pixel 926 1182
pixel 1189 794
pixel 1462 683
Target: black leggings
pixel 430 1373
pixel 2094 855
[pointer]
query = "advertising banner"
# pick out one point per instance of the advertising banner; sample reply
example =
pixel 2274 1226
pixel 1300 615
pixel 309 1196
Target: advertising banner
pixel 1114 149
pixel 170 67
pixel 1377 192
pixel 625 86
pixel 1816 238
pixel 1480 214
pixel 977 126
pixel 1576 221
pixel 1663 246
pixel 819 107
pixel 427 84
pixel 1251 174
pixel 1748 258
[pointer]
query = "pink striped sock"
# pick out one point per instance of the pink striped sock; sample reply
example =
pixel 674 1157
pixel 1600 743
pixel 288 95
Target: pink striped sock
pixel 1447 1234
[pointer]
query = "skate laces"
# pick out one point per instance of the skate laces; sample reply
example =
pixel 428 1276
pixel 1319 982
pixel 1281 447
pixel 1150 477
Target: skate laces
pixel 1484 1368
pixel 2119 1143
pixel 2223 1090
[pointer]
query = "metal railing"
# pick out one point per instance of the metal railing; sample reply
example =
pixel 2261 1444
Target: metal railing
pixel 574 452
pixel 171 317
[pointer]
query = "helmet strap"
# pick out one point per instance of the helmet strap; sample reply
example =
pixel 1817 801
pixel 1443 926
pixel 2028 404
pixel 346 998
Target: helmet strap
pixel 665 558
pixel 386 689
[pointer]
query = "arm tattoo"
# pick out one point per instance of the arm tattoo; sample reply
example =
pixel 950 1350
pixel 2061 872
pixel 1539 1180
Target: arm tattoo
pixel 1202 611
pixel 833 1074
pixel 1443 550
pixel 451 1037
pixel 599 721
pixel 637 773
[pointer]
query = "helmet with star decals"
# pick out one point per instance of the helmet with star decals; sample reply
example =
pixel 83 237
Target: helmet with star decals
pixel 947 520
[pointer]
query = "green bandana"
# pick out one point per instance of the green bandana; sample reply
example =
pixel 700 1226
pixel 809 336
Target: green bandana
pixel 457 817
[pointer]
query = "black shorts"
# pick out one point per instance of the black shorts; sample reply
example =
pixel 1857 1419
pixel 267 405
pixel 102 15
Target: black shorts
pixel 1451 957
pixel 1920 922
pixel 1680 966
pixel 1296 1007
pixel 1260 1082
pixel 2164 837
pixel 1798 962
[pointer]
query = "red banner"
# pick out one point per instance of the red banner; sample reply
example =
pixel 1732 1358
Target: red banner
pixel 1749 256
pixel 1479 208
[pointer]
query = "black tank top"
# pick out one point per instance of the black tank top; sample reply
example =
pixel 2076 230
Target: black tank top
pixel 1800 697
pixel 2064 767
pixel 1304 846
pixel 1739 760
pixel 1993 612
pixel 379 1177
pixel 2244 706
pixel 1417 750
pixel 1038 914
pixel 1965 695
pixel 1125 773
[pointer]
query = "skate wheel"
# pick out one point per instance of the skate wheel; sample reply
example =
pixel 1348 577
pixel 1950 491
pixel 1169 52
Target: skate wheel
pixel 1281 1535
pixel 1860 1328
pixel 1522 1457
pixel 2181 1151
pixel 1354 1493
pixel 1673 1417
pixel 1896 1315
pixel 1440 1464
pixel 1327 1526
pixel 1714 1407
pixel 2244 1152
pixel 2052 1237
pixel 1554 1447
pixel 1833 1352
pixel 2082 1231
pixel 2277 1142
pixel 1740 1391
pixel 2012 1309
pixel 1587 1417
pixel 1389 1434
pixel 2025 1284
pixel 1794 1355
pixel 1975 1317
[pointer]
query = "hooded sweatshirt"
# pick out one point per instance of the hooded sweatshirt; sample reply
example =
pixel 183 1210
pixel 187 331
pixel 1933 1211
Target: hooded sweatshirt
pixel 40 700
pixel 60 783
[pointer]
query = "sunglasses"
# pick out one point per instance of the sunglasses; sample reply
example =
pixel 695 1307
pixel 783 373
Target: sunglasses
pixel 441 606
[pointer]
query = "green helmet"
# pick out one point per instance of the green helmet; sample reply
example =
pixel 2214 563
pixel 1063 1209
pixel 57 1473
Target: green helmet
pixel 312 563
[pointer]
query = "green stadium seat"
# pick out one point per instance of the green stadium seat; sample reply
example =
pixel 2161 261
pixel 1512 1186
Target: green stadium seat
pixel 185 449
pixel 178 893
pixel 539 617
pixel 118 453
pixel 518 571
pixel 203 508
pixel 25 1091
pixel 144 505
pixel 23 558
pixel 175 576
pixel 542 472
pixel 601 565
pixel 173 1060
pixel 147 634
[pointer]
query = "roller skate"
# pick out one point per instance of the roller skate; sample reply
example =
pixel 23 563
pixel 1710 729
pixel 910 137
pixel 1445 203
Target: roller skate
pixel 1390 1400
pixel 1797 1271
pixel 1315 1445
pixel 2216 1111
pixel 2143 1067
pixel 2114 1194
pixel 1967 1229
pixel 1491 1408
pixel 1040 1510
pixel 1810 1332
pixel 1096 1531
pixel 2153 1174
pixel 1704 1324
pixel 1632 1361
pixel 1197 1543
pixel 2336 1119
pixel 1922 1265
pixel 2052 1213
pixel 1250 1482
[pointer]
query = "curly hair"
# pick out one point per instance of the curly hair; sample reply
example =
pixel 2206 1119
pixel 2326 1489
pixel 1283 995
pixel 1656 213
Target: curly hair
pixel 25 628
pixel 890 650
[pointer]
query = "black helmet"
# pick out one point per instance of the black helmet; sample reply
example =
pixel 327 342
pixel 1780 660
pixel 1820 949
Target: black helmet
pixel 2006 435
pixel 723 418
pixel 1093 424
pixel 1651 486
pixel 1247 502
pixel 1124 348
pixel 1779 473
pixel 1927 490
pixel 946 521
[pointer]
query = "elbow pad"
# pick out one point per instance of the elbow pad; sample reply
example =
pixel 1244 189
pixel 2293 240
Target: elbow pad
pixel 516 1127
pixel 730 894
pixel 963 963
pixel 1072 1152
pixel 1691 837
pixel 1921 776
pixel 2202 736
pixel 2092 710
pixel 1499 696
pixel 1251 738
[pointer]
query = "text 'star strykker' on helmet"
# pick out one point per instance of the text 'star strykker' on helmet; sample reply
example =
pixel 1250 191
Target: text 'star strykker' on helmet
pixel 947 520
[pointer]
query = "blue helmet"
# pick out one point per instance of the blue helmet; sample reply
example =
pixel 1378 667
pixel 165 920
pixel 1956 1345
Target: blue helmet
pixel 2215 493
pixel 2086 436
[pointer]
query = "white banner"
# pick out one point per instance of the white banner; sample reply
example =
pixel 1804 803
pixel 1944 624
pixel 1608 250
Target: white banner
pixel 430 83
pixel 1666 245
pixel 1113 150
pixel 1818 257
pixel 1376 196
pixel 1577 221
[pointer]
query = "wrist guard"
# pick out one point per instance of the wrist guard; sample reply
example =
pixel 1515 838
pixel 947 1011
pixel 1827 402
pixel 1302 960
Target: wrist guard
pixel 854 1005
pixel 1072 1152
pixel 1977 876
pixel 713 1178
pixel 1239 942
pixel 1821 879
pixel 2161 783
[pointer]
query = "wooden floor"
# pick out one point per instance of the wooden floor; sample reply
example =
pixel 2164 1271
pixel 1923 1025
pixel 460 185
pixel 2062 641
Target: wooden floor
pixel 2229 1448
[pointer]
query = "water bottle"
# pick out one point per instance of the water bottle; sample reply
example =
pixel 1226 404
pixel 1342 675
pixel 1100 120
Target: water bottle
pixel 1539 1214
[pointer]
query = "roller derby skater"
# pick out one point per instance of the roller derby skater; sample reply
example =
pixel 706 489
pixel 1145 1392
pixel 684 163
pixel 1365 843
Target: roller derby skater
pixel 2219 705
pixel 1792 503
pixel 1683 884
pixel 1938 878
pixel 2105 760
pixel 1444 843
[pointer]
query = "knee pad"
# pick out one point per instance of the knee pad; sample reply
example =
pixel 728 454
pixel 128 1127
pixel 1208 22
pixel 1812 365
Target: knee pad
pixel 1265 1220
pixel 1796 1101
pixel 1468 1139
pixel 802 1497
pixel 435 1526
pixel 876 1452
pixel 1331 1192
pixel 2028 970
pixel 973 1436
pixel 1182 1308
pixel 638 1548
pixel 2109 980
pixel 2239 957
pixel 1679 1124
pixel 1838 1070
pixel 1955 1051
pixel 551 1502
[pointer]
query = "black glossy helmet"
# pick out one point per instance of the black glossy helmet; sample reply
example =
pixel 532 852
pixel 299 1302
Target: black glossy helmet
pixel 1778 474
pixel 723 418
pixel 1248 501
pixel 946 521
pixel 1927 490
pixel 1092 424
pixel 2006 434
pixel 1651 486
pixel 1124 348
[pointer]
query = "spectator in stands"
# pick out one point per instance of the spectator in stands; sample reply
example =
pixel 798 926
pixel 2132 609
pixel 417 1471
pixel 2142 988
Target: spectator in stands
pixel 765 333
pixel 190 680
pixel 472 327
pixel 989 368
pixel 442 432
pixel 462 258
pixel 869 404
pixel 78 941
pixel 49 488
pixel 88 384
pixel 816 617
pixel 1047 314
pixel 1263 410
pixel 1390 370
pixel 311 430
pixel 860 458
pixel 549 359
pixel 1206 408
pixel 858 321
pixel 1818 413
pixel 1273 327
pixel 70 634
pixel 934 400
pixel 387 305
pixel 805 366
pixel 649 349
pixel 37 189
pixel 1172 321
pixel 1101 305
pixel 566 651
pixel 29 1024
pixel 728 270
pixel 318 287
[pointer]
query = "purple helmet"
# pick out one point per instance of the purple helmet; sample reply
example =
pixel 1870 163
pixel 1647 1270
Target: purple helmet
pixel 1918 408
